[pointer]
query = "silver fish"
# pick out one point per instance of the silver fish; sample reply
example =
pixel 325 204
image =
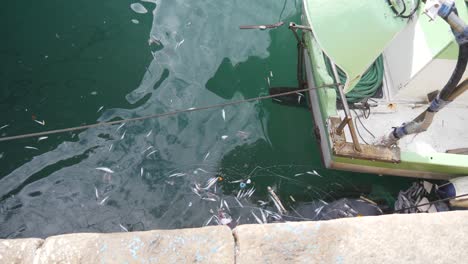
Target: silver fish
pixel 42 138
pixel 227 206
pixel 100 108
pixel 29 147
pixel 177 175
pixel 123 135
pixel 5 126
pixel 104 200
pixel 263 216
pixel 105 169
pixel 123 124
pixel 206 156
pixel 96 192
pixel 149 133
pixel 123 228
pixel 314 172
pixel 141 171
pixel 148 148
pixel 152 152
pixel 111 146
pixel 276 201
pixel 223 113
pixel 251 191
pixel 210 183
pixel 209 199
pixel 240 204
pixel 195 191
pixel 256 218
pixel 40 122
pixel 209 220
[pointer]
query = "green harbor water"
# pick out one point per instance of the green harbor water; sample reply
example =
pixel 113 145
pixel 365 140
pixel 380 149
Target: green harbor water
pixel 71 63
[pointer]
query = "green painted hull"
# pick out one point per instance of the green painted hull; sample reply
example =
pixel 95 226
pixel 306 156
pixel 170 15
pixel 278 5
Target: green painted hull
pixel 434 165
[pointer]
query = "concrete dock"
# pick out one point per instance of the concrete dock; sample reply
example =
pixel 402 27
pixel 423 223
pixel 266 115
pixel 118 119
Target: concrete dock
pixel 415 238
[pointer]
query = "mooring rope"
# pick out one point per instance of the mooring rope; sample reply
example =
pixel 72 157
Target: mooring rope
pixel 193 109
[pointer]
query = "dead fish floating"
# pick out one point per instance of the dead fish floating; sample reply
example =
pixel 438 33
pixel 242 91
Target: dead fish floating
pixel 105 169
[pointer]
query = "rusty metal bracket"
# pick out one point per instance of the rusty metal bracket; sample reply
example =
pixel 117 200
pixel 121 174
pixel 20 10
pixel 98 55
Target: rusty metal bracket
pixel 342 148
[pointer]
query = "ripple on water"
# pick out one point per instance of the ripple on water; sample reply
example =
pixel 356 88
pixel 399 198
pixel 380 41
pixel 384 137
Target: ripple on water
pixel 138 8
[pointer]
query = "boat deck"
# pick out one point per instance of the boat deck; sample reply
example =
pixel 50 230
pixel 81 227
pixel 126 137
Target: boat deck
pixel 447 132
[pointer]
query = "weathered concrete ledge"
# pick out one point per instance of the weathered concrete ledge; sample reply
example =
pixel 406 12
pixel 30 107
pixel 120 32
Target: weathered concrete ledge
pixel 417 238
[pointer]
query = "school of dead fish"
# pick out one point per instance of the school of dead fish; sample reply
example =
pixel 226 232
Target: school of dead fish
pixel 207 192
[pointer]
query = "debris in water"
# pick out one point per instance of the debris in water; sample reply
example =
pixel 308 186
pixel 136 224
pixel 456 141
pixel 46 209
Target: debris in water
pixel 105 169
pixel 123 228
pixel 100 108
pixel 42 138
pixel 190 204
pixel 223 114
pixel 242 185
pixel 104 200
pixel 40 122
pixel 249 181
pixel 138 8
pixel 29 147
